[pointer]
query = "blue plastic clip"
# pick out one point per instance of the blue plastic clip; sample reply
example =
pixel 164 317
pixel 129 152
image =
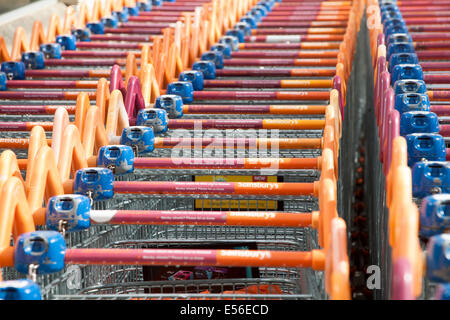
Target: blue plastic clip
pixel 430 177
pixel 395 28
pixel 388 7
pixel 232 41
pixel 410 86
pixel 255 14
pixel 22 289
pixel 133 11
pixel 14 70
pixel 153 118
pixel 69 211
pixel 418 122
pixel 51 50
pixel 399 47
pixel 398 38
pixel 44 249
pixel 425 146
pixel 184 89
pixel 140 138
pixel 412 102
pixel 173 105
pixel 239 34
pixel 81 35
pixel 406 71
pixel 118 158
pixel 193 76
pixel 442 292
pixel 250 20
pixel 33 60
pixel 96 27
pixel 261 9
pixel 435 215
pixel 122 16
pixel 438 258
pixel 244 26
pixel 3 81
pixel 68 42
pixel 208 68
pixel 110 22
pixel 268 4
pixel 145 6
pixel 390 14
pixel 214 56
pixel 224 48
pixel 397 22
pixel 96 183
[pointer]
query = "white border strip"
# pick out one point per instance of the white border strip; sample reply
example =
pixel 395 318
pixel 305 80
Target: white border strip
pixel 25 11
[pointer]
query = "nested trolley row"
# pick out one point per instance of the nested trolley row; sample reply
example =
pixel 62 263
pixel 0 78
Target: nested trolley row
pixel 185 162
pixel 411 105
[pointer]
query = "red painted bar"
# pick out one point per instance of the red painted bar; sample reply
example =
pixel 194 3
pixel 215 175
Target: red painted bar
pixel 191 257
pixel 193 163
pixel 293 38
pixel 57 73
pixel 296 31
pixel 298 24
pixel 63 84
pixel 242 83
pixel 444 130
pixel 107 45
pixel 294 17
pixel 417 35
pixel 42 95
pixel 435 66
pixel 431 13
pixel 152 31
pixel 253 109
pixel 13 126
pixel 191 124
pixel 433 55
pixel 285 54
pixel 155 18
pixel 232 143
pixel 84 62
pixel 441 110
pixel 34 109
pixel 281 62
pixel 440 95
pixel 431 45
pixel 118 37
pixel 436 78
pixel 432 20
pixel 140 256
pixel 137 24
pixel 276 72
pixel 229 188
pixel 96 54
pixel 288 46
pixel 261 95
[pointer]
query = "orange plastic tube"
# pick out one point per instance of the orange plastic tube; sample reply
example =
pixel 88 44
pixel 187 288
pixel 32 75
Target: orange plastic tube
pixel 307 143
pixel 14 216
pixel 294 124
pixel 275 188
pixel 305 109
pixel 306 83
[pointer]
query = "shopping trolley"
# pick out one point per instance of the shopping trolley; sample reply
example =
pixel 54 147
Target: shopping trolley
pixel 409 82
pixel 123 186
